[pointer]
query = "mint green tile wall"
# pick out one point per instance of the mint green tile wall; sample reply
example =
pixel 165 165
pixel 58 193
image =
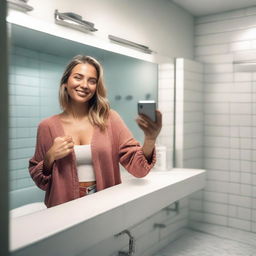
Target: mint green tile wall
pixel 33 93
pixel 132 80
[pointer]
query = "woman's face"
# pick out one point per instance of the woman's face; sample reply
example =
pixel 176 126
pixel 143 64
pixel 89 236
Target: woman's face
pixel 82 82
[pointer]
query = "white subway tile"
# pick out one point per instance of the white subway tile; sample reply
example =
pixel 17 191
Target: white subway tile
pixel 246 155
pixel 217 131
pixel 245 190
pixel 217 59
pixel 216 97
pixel 218 68
pixel 218 87
pixel 232 211
pixel 254 215
pixel 193 128
pixel 242 87
pixel 245 55
pixel 241 97
pixel 238 200
pixel 234 176
pixel 194 85
pixel 236 120
pixel 195 205
pixel 218 175
pixel 212 49
pixel 193 66
pixel 234 165
pixel 245 132
pixel 235 143
pixel 225 25
pixel 221 38
pixel 214 141
pixel 192 76
pixel 254 179
pixel 195 215
pixel 240 108
pixel 240 224
pixel 215 219
pixel 216 119
pixel 246 166
pixel 217 152
pixel 238 46
pixel 234 154
pixel 242 77
pixel 218 164
pixel 217 186
pixel 222 16
pixel 215 208
pixel 234 188
pixel 192 96
pixel 215 197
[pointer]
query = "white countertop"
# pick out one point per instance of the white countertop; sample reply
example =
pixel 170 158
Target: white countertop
pixel 109 211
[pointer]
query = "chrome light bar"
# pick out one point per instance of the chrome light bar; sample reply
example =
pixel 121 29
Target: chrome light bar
pixel 245 66
pixel 73 20
pixel 125 42
pixel 20 5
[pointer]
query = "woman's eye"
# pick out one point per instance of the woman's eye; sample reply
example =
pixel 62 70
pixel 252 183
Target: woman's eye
pixel 92 81
pixel 77 77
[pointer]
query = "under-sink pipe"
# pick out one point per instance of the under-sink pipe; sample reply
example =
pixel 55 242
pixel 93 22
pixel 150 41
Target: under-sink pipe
pixel 175 208
pixel 131 244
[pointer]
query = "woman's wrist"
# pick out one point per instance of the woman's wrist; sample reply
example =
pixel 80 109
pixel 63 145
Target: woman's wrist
pixel 48 160
pixel 148 148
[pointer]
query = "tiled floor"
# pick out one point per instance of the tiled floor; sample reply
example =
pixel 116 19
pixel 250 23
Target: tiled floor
pixel 199 243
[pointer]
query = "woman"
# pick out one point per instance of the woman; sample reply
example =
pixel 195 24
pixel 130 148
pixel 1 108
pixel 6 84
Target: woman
pixel 78 151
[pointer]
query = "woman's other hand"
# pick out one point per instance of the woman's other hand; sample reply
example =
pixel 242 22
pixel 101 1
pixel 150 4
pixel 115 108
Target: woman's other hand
pixel 62 146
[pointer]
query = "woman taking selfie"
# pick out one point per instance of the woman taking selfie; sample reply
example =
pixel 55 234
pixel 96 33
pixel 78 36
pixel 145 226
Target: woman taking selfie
pixel 79 150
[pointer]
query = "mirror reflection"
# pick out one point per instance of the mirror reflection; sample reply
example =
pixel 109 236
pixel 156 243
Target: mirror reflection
pixel 37 63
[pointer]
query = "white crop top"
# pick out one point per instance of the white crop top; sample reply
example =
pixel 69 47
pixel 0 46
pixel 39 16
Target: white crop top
pixel 84 163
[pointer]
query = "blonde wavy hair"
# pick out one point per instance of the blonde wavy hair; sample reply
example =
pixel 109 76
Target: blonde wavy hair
pixel 98 104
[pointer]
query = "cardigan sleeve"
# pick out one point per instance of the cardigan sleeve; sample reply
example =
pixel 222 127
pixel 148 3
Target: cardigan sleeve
pixel 131 155
pixel 40 175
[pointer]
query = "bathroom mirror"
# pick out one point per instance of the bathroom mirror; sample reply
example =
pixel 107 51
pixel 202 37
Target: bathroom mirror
pixel 37 61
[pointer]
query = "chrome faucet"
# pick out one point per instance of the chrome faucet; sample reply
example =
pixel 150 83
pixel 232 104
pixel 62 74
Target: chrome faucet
pixel 131 244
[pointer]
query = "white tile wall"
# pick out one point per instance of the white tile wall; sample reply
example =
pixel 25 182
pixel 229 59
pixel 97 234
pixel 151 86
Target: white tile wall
pixel 189 87
pixel 229 119
pixel 166 106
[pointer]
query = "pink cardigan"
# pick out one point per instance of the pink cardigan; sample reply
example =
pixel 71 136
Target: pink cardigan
pixel 110 147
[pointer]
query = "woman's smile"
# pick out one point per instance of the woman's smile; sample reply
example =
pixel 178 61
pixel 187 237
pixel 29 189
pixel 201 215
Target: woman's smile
pixel 82 93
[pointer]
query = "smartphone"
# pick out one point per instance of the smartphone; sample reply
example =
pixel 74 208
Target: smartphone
pixel 148 108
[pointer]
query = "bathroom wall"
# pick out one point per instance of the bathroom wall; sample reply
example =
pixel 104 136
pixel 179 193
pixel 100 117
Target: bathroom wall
pixel 229 198
pixel 156 27
pixel 149 22
pixel 33 95
pixel 189 113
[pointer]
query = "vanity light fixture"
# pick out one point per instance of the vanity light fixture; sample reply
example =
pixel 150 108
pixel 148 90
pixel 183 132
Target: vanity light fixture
pixel 73 20
pixel 245 66
pixel 20 5
pixel 125 42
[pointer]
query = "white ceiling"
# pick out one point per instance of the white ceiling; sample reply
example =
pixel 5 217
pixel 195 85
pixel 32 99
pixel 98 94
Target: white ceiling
pixel 207 7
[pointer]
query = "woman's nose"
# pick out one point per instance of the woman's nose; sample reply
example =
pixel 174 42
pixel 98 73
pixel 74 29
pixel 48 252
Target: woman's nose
pixel 84 84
